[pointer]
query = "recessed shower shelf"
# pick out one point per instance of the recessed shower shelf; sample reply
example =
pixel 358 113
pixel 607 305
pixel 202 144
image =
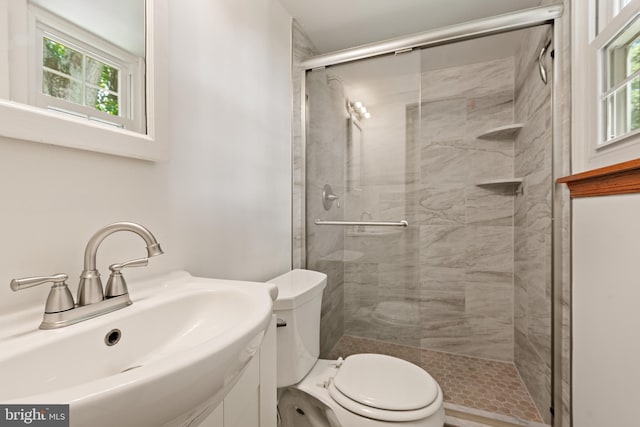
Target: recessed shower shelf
pixel 516 184
pixel 502 133
pixel 505 181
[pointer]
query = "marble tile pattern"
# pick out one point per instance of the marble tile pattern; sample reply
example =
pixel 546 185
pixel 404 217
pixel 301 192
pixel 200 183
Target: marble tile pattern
pixel 449 275
pixel 471 275
pixel 466 248
pixel 487 385
pixel 324 164
pixel 532 221
pixel 303 48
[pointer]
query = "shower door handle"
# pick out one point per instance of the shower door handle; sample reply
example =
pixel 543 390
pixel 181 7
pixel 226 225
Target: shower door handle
pixel 541 67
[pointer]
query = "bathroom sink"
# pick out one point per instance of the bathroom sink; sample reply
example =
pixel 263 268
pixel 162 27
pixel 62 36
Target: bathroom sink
pixel 165 360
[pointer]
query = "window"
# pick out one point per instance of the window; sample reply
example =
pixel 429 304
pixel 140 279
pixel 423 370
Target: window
pixel 606 82
pixel 607 10
pixel 80 74
pixel 147 42
pixel 622 84
pixel 79 78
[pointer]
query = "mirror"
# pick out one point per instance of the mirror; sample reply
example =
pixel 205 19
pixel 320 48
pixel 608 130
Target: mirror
pixel 85 74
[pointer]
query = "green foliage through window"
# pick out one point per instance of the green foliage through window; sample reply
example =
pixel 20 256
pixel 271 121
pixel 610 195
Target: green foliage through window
pixel 68 73
pixel 634 65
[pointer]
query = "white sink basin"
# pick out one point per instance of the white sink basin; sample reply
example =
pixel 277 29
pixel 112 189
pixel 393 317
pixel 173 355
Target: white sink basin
pixel 184 343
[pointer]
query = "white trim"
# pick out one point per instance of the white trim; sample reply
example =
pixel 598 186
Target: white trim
pixel 618 85
pixel 18 51
pixel 4 49
pixel 24 122
pixel 131 69
pixel 587 105
pixel 622 138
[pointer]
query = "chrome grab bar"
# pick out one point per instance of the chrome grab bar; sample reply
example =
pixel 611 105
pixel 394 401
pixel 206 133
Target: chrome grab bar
pixel 402 223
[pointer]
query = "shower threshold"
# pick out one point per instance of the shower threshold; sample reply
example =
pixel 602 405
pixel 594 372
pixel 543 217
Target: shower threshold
pixel 477 392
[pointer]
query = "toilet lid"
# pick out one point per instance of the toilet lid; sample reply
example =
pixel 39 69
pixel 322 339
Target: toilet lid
pixel 385 382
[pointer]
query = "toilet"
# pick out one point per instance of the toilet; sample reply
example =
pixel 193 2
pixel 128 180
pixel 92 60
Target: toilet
pixel 362 390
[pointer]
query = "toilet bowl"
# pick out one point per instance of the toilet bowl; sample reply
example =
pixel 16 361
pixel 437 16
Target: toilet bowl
pixel 317 400
pixel 363 390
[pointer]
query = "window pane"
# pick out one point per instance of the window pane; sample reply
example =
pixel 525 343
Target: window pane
pixel 61 87
pixel 633 57
pixel 622 55
pixel 622 85
pixel 615 120
pixel 622 110
pixel 102 75
pixel 59 57
pixel 102 100
pixel 634 107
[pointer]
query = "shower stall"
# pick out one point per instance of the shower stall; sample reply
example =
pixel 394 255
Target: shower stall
pixel 425 171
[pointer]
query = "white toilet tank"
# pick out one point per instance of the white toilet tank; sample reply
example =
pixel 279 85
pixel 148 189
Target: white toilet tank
pixel 298 305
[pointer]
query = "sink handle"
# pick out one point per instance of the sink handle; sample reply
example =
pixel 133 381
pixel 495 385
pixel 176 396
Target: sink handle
pixel 116 285
pixel 141 262
pixel 59 299
pixel 29 282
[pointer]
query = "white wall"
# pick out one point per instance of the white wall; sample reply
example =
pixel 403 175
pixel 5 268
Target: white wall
pixel 605 293
pixel 221 205
pixel 606 314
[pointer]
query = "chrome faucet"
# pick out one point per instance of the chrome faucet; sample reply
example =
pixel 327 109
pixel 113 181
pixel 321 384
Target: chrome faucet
pixel 90 288
pixel 60 310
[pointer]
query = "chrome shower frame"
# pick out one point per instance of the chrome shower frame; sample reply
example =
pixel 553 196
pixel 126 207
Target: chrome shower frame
pixel 560 213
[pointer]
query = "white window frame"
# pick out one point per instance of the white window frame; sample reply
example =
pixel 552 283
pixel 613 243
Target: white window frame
pixel 5 92
pixel 29 124
pixel 131 69
pixel 627 67
pixel 609 9
pixel 595 24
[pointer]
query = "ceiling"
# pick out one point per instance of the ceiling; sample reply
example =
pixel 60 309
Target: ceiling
pixel 339 24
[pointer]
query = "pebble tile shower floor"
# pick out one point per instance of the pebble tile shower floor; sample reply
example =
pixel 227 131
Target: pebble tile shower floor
pixel 486 385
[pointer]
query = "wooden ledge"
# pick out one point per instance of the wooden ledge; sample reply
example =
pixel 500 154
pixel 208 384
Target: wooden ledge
pixel 621 178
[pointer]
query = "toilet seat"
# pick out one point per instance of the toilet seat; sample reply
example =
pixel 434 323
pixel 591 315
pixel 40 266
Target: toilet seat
pixel 385 388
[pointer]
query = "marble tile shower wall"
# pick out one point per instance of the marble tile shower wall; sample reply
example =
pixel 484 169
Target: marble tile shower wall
pixel 303 48
pixel 438 205
pixel 532 281
pixel 445 283
pixel 325 160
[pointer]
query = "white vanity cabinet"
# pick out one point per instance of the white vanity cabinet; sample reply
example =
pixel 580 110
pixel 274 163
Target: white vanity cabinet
pixel 252 401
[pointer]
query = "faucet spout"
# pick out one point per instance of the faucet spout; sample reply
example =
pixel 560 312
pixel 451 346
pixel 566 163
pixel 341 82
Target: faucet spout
pixel 90 289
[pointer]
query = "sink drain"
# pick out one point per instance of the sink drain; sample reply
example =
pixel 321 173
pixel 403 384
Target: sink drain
pixel 113 337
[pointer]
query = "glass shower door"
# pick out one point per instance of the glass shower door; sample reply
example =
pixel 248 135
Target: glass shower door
pixel 363 122
pixel 456 140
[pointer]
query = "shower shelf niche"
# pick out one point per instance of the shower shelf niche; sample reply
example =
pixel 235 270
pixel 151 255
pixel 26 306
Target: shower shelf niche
pixel 502 133
pixel 515 182
pixel 504 181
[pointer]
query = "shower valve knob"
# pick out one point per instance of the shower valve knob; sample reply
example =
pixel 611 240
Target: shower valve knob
pixel 328 197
